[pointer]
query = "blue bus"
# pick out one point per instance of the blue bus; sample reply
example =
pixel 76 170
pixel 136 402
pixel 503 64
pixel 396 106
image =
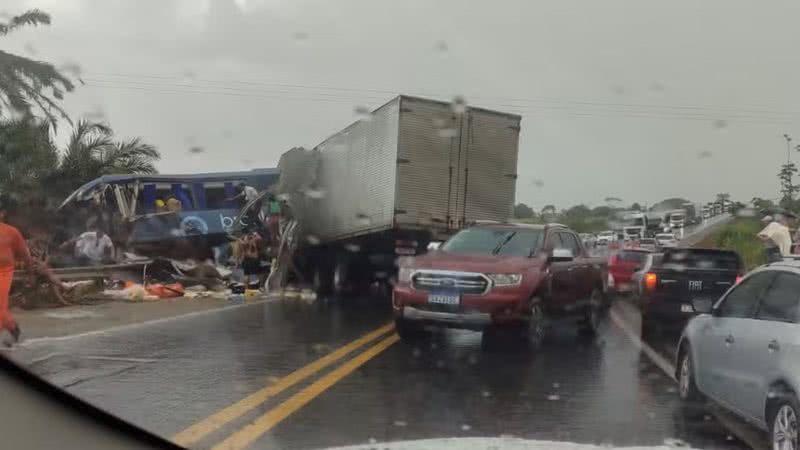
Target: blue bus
pixel 128 206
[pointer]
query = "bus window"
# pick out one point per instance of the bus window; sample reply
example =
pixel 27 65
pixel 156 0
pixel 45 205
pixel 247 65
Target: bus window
pixel 178 191
pixel 147 199
pixel 215 195
pixel 199 192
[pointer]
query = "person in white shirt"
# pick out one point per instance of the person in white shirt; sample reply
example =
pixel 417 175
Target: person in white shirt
pixel 777 237
pixel 246 192
pixel 92 247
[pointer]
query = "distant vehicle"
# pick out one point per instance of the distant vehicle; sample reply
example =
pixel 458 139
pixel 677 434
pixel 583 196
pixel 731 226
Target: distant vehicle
pixel 677 219
pixel 637 279
pixel 666 240
pixel 589 240
pixel 634 223
pixel 633 233
pixel 743 353
pixel 501 277
pixel 647 244
pixel 685 275
pixel 606 237
pixel 622 265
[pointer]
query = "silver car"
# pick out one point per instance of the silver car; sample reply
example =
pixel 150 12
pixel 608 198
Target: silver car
pixel 744 354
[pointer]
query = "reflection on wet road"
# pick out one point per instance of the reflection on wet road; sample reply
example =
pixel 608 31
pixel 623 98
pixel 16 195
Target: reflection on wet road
pixel 170 376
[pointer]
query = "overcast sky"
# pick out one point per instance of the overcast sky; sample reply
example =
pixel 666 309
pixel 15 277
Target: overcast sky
pixel 636 99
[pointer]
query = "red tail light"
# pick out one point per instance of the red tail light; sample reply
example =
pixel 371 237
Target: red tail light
pixel 650 281
pixel 738 279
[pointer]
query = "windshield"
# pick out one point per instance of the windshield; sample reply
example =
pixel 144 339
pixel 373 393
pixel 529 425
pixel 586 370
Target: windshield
pixel 495 241
pixel 350 224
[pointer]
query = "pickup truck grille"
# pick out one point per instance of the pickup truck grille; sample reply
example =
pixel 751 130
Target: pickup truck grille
pixel 460 282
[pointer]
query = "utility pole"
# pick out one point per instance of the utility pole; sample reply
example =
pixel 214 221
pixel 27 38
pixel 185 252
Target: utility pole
pixel 788 147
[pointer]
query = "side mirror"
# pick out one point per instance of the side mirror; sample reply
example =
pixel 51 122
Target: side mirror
pixel 434 246
pixel 561 254
pixel 703 305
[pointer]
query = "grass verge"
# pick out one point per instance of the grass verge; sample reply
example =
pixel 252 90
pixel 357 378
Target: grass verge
pixel 739 236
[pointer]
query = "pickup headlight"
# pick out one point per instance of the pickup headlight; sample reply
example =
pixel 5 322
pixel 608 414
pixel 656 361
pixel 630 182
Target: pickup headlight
pixel 505 279
pixel 404 274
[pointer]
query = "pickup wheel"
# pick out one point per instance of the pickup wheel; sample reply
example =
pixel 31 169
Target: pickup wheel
pixel 591 318
pixel 534 330
pixel 407 330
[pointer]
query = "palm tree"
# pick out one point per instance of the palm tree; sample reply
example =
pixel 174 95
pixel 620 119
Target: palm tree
pixel 92 152
pixel 24 82
pixel 27 156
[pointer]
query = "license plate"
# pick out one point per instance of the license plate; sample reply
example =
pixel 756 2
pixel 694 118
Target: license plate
pixel 687 308
pixel 444 299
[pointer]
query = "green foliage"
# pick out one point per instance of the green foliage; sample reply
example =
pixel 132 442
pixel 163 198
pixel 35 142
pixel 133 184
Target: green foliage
pixel 588 224
pixel 523 211
pixel 602 211
pixel 28 157
pixel 33 171
pixel 740 236
pixel 578 211
pixel 26 84
pixel 92 152
pixel 669 204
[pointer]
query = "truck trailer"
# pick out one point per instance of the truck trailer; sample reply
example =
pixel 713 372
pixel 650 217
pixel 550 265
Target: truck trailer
pixel 412 172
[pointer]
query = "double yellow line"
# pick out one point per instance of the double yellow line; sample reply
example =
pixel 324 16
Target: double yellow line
pixel 248 434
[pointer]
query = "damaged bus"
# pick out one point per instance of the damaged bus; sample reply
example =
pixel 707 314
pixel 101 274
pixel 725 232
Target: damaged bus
pixel 179 216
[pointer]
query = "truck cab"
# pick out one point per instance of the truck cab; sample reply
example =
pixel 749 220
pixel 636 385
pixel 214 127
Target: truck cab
pixel 500 276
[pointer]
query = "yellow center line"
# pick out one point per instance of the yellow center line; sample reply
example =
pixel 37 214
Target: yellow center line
pixel 212 423
pixel 247 435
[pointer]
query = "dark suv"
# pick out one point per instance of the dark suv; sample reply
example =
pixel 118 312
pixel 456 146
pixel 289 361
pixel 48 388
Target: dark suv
pixel 501 275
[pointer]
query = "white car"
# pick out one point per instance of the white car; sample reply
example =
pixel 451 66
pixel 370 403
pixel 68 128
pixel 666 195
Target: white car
pixel 666 240
pixel 744 355
pixel 606 237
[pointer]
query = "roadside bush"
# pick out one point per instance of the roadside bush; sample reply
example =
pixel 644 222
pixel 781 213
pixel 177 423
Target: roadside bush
pixel 740 236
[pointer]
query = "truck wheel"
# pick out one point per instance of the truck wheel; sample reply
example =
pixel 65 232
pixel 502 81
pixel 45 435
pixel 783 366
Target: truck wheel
pixel 534 330
pixel 339 281
pixel 407 330
pixel 322 280
pixel 591 318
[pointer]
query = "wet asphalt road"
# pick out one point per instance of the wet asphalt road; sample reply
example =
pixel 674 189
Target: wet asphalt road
pixel 169 375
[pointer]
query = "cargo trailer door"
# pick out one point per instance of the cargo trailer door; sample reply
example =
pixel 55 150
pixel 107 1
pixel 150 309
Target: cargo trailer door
pixel 427 166
pixel 487 166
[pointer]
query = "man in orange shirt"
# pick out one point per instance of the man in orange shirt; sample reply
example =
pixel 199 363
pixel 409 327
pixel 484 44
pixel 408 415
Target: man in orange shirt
pixel 12 249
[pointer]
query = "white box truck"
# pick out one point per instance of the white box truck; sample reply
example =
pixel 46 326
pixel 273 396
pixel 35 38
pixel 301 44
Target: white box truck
pixel 414 171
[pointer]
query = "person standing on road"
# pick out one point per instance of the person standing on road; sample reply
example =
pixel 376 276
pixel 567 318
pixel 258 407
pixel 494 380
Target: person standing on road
pixel 12 250
pixel 776 236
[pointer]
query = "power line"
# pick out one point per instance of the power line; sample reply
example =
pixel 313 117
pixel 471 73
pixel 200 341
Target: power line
pixel 439 94
pixel 330 98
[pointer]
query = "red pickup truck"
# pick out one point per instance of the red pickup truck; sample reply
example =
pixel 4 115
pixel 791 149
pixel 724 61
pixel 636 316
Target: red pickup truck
pixel 501 276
